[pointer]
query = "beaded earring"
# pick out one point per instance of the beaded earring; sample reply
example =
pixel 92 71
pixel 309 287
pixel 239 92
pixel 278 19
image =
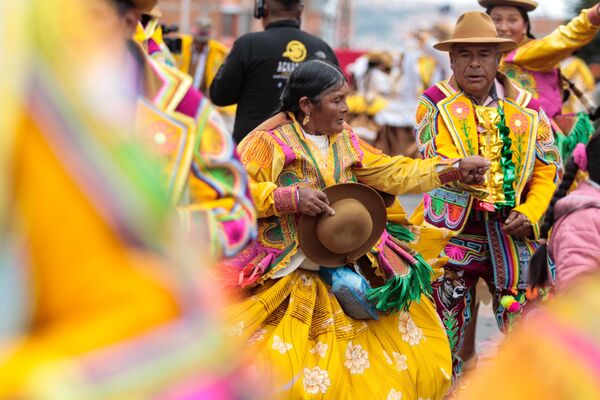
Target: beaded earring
pixel 306 119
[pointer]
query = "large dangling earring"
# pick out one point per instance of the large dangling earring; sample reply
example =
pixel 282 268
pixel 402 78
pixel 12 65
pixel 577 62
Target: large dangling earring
pixel 306 119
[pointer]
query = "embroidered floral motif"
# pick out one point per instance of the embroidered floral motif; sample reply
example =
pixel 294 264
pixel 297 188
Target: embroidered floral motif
pixel 546 150
pixel 400 361
pixel 257 336
pixel 162 137
pixel 521 77
pixel 411 333
pixel 460 110
pixel 316 380
pixel 394 395
pixel 306 280
pixel 357 359
pixel 454 252
pixel 280 345
pixel 387 357
pixel 518 124
pixel 426 127
pixel 236 330
pixel 544 131
pixel 320 348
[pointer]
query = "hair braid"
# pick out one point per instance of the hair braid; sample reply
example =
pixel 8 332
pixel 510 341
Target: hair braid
pixel 538 266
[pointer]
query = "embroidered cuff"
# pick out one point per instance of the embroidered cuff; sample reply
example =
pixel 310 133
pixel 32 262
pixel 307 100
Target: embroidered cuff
pixel 594 15
pixel 448 171
pixel 286 199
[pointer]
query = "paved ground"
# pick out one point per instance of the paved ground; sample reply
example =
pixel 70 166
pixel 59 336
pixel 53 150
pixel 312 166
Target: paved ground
pixel 488 335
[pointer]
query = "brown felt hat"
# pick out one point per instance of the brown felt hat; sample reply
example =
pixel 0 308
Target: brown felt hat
pixel 527 5
pixel 475 27
pixel 156 12
pixel 360 218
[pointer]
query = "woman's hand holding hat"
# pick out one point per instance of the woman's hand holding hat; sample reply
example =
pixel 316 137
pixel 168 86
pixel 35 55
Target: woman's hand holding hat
pixel 313 202
pixel 473 169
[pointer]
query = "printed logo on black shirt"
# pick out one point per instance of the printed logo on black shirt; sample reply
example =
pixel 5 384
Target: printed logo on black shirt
pixel 295 51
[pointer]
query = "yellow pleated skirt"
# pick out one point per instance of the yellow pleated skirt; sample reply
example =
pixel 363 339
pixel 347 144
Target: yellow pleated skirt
pixel 300 345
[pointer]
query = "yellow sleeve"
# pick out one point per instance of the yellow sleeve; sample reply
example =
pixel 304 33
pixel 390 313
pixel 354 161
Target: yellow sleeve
pixel 541 189
pixel 264 160
pixel 399 174
pixel 576 70
pixel 544 54
pixel 546 174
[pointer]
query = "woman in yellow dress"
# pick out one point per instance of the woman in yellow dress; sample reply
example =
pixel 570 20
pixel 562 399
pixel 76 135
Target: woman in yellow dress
pixel 300 340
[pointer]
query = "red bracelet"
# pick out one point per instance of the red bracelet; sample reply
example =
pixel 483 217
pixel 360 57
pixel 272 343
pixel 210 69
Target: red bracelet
pixel 450 173
pixel 286 199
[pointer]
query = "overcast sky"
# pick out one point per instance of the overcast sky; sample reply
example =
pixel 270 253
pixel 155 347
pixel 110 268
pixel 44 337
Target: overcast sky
pixel 554 8
pixel 383 23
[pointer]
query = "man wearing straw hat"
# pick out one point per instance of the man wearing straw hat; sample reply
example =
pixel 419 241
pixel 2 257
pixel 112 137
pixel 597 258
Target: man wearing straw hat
pixel 480 111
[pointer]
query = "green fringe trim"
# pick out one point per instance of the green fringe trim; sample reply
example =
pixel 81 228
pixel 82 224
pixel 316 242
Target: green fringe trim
pixel 580 133
pixel 400 232
pixel 508 166
pixel 400 291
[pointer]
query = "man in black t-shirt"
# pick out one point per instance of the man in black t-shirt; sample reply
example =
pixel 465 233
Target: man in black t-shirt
pixel 259 64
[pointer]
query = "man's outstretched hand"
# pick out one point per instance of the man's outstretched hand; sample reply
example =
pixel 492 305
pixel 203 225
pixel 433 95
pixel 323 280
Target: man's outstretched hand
pixel 473 169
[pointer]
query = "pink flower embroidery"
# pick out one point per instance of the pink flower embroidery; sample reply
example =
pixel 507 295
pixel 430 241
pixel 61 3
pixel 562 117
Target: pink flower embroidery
pixel 460 110
pixel 162 138
pixel 518 123
pixel 454 252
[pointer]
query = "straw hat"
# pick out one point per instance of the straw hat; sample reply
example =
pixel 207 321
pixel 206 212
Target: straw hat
pixel 355 228
pixel 381 57
pixel 475 27
pixel 527 5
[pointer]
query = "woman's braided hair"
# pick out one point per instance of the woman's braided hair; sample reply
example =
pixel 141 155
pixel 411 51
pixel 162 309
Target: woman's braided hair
pixel 538 266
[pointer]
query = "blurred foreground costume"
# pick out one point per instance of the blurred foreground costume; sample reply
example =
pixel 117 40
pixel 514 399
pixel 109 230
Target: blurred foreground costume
pixel 150 33
pixel 555 355
pixel 99 308
pixel 201 170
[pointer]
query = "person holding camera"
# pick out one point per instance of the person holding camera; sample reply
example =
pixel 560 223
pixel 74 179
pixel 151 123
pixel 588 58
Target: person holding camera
pixel 260 63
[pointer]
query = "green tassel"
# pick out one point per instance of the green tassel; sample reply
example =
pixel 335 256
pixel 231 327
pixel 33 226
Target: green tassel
pixel 400 291
pixel 580 133
pixel 400 232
